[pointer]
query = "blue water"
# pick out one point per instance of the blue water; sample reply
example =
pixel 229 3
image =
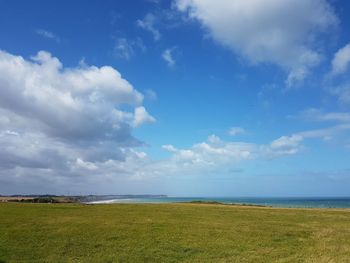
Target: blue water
pixel 311 202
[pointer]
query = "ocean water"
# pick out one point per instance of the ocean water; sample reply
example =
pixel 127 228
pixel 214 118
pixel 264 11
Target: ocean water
pixel 296 202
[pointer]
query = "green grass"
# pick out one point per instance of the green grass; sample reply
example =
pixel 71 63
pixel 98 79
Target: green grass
pixel 171 233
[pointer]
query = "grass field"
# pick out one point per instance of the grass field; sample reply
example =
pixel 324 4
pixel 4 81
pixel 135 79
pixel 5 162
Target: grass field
pixel 171 233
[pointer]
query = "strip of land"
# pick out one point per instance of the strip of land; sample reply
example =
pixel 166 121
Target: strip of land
pixel 171 233
pixel 69 198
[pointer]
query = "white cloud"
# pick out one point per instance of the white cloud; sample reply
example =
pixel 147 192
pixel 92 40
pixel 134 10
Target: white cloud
pixel 123 49
pixel 148 23
pixel 86 165
pixel 169 148
pixel 342 92
pixel 66 125
pixel 67 128
pixel 215 154
pixel 212 153
pixel 141 116
pixel 126 48
pixel 47 34
pixel 340 66
pixel 85 97
pixel 319 115
pixel 235 131
pixel 341 60
pixel 287 145
pixel 168 57
pixel 279 32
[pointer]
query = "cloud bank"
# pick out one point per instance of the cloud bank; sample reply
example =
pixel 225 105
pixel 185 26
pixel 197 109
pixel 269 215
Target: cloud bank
pixel 72 128
pixel 58 123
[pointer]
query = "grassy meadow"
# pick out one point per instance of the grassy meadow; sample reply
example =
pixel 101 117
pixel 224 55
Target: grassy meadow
pixel 171 233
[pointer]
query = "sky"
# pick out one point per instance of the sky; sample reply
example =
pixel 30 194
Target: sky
pixel 176 97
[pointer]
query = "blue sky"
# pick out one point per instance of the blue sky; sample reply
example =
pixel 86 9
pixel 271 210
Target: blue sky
pixel 182 97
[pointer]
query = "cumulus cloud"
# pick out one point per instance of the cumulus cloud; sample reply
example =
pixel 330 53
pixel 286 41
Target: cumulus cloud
pixel 42 90
pixel 68 128
pixel 215 154
pixel 60 122
pixel 148 23
pixel 279 32
pixel 141 116
pixel 212 153
pixel 168 57
pixel 341 60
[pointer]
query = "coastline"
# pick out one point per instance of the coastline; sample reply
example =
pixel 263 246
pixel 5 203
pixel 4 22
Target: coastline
pixel 276 202
pixel 312 203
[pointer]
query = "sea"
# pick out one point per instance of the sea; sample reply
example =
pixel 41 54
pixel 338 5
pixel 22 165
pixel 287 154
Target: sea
pixel 283 202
